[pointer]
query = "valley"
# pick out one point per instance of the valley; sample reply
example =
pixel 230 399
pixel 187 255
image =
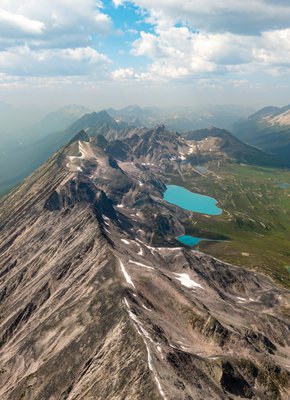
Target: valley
pixel 255 224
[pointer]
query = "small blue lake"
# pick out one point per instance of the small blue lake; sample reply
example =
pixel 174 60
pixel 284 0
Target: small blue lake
pixel 284 185
pixel 194 202
pixel 189 240
pixel 187 200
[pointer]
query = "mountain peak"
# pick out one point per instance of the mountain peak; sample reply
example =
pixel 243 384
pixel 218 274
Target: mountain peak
pixel 104 116
pixel 99 117
pixel 82 135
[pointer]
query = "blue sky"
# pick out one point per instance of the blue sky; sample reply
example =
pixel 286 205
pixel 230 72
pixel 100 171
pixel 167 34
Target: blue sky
pixel 128 23
pixel 145 51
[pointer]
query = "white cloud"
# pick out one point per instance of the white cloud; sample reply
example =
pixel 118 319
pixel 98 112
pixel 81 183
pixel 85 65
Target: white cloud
pixel 12 25
pixel 274 49
pixel 243 17
pixel 22 61
pixel 57 23
pixel 118 3
pixel 123 74
pixel 46 38
pixel 178 52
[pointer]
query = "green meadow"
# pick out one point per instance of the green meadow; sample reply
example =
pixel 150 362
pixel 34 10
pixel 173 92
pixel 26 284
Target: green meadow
pixel 254 229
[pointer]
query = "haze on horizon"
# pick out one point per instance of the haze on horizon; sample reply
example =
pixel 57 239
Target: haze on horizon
pixel 149 52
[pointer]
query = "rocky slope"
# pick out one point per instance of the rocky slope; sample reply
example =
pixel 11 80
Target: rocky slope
pixel 220 144
pixel 98 302
pixel 159 146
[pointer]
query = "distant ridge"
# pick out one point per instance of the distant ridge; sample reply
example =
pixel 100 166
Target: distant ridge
pixel 227 146
pixel 269 130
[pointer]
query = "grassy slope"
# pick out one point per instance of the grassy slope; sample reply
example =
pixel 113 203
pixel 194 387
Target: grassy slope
pixel 256 218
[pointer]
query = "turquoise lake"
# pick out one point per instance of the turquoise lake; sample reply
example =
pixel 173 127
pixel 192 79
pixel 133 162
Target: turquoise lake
pixel 284 185
pixel 189 240
pixel 190 201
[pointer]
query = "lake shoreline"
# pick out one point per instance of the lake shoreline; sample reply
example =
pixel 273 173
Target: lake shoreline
pixel 193 202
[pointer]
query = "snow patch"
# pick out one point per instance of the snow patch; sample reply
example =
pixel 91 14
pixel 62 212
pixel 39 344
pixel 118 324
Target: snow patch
pixel 148 247
pixel 186 281
pixel 144 334
pixel 126 275
pixel 160 388
pixel 140 264
pixel 168 248
pixel 125 241
pixel 105 219
pixel 140 252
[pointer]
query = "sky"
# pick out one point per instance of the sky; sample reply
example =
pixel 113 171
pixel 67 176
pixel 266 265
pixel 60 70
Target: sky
pixel 147 52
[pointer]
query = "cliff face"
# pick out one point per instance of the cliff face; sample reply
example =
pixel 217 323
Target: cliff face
pixel 97 302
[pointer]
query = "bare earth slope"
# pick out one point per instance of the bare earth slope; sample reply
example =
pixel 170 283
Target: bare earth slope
pixel 92 309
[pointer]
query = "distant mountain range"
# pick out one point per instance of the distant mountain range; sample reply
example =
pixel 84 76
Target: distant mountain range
pixel 206 145
pixel 269 130
pixel 181 118
pixel 57 120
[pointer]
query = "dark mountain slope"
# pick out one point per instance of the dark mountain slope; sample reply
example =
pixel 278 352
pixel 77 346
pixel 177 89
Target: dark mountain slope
pixel 16 165
pixel 268 129
pixel 98 302
pixel 55 121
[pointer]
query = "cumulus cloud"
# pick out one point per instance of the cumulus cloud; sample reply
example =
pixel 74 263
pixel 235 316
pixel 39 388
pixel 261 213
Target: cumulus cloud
pixel 22 61
pixel 236 16
pixel 123 74
pixel 40 37
pixel 178 52
pixel 52 21
pixel 118 3
pixel 274 48
pixel 204 37
pixel 15 25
